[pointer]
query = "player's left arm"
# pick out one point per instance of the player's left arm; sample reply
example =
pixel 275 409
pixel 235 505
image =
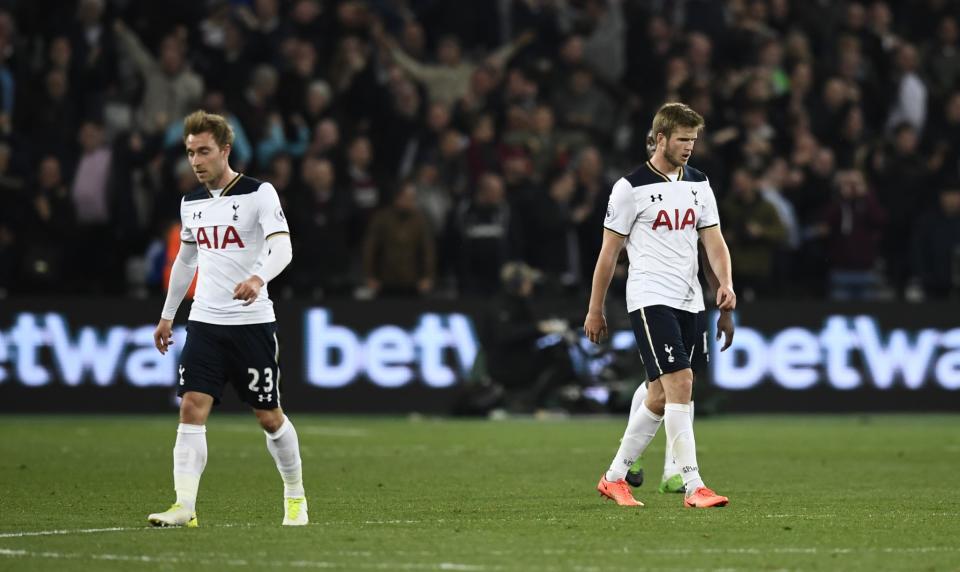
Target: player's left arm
pixel 718 255
pixel 725 325
pixel 279 248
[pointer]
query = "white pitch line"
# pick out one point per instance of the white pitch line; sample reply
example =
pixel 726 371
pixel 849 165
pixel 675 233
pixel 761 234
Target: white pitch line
pixel 75 531
pixel 24 534
pixel 240 562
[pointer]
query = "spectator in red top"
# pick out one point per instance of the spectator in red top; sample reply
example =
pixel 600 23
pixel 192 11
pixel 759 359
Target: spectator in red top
pixel 853 224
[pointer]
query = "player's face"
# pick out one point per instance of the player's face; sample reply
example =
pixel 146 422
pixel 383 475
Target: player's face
pixel 679 146
pixel 207 159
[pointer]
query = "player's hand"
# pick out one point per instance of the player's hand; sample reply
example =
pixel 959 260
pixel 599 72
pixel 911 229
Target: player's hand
pixel 726 299
pixel 163 335
pixel 595 327
pixel 248 290
pixel 725 328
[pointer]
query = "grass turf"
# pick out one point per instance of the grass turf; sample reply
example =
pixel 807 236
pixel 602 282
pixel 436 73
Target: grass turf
pixel 807 493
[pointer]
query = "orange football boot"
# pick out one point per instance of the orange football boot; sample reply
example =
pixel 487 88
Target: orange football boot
pixel 617 491
pixel 704 498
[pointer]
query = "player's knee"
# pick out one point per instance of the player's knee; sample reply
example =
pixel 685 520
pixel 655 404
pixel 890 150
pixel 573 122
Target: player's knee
pixel 194 408
pixel 656 403
pixel 270 419
pixel 679 386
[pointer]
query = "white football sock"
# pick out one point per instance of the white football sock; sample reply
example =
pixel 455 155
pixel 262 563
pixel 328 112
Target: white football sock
pixel 189 459
pixel 639 397
pixel 680 439
pixel 284 446
pixel 670 467
pixel 641 428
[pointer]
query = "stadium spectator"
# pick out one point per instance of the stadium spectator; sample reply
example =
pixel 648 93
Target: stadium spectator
pixel 449 80
pixel 49 257
pixel 486 235
pixel 936 248
pixel 399 258
pixel 591 206
pixel 91 191
pixel 364 190
pixel 902 184
pixel 853 224
pixel 92 55
pixel 772 186
pixel 320 213
pixel 944 141
pixel 942 59
pixel 753 228
pixel 910 103
pixel 171 89
pixel 584 108
pixel 553 247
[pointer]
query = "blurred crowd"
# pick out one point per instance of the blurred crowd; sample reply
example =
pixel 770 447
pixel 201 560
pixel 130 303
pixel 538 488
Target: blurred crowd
pixel 419 145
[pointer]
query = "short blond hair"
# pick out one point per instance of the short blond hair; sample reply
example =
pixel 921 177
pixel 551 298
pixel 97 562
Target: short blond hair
pixel 202 122
pixel 671 116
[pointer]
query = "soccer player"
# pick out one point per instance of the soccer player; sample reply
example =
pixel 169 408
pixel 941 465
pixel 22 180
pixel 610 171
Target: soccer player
pixel 234 230
pixel 659 211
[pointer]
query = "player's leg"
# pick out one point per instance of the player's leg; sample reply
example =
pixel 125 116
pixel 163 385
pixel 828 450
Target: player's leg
pixel 257 381
pixel 678 387
pixel 190 450
pixel 201 374
pixel 672 480
pixel 642 424
pixel 635 472
pixel 284 446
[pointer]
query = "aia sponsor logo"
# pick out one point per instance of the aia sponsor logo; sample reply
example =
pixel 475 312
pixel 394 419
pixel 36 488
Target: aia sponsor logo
pixel 211 237
pixel 676 223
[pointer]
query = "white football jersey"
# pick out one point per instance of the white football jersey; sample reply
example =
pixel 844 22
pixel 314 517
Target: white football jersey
pixel 660 219
pixel 231 232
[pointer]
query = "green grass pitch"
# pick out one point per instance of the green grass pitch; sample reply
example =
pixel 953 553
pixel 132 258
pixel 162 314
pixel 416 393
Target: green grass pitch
pixel 807 493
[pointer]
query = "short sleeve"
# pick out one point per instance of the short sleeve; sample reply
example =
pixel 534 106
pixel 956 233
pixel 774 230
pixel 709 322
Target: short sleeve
pixel 272 219
pixel 709 216
pixel 621 209
pixel 186 235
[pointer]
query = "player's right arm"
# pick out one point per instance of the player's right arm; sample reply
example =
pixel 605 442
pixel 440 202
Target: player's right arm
pixel 181 276
pixel 595 325
pixel 621 214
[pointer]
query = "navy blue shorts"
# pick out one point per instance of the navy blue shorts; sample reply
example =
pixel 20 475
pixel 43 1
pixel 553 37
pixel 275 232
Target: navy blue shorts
pixel 667 338
pixel 246 356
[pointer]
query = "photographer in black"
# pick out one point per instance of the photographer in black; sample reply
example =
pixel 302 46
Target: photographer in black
pixel 527 357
